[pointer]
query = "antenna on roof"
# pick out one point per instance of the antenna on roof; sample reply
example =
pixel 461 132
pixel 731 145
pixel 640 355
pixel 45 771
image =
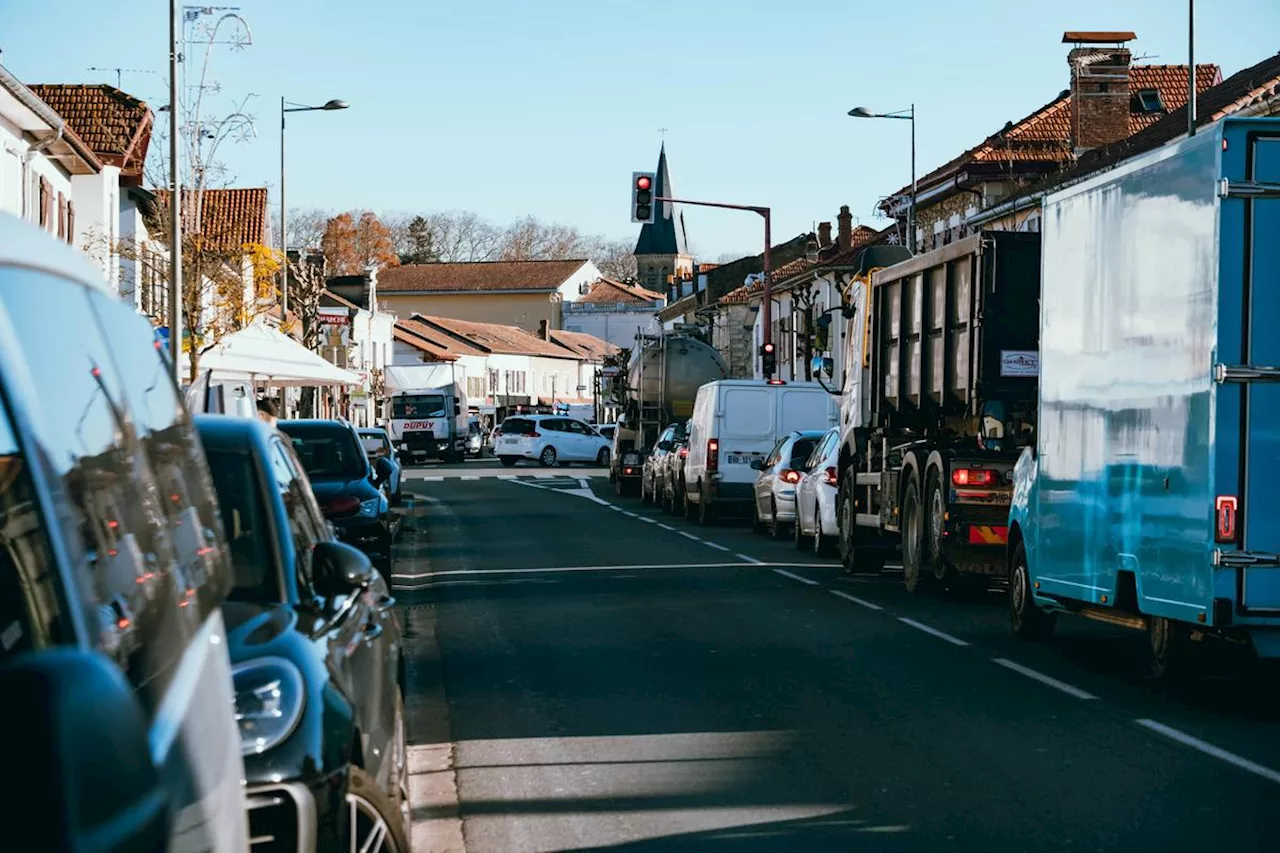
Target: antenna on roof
pixel 1146 56
pixel 120 71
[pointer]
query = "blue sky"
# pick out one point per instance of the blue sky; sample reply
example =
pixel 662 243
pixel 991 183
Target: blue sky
pixel 516 107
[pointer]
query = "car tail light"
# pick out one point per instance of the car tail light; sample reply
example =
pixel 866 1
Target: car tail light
pixel 1225 508
pixel 713 454
pixel 684 451
pixel 789 476
pixel 533 435
pixel 831 476
pixel 973 477
pixel 343 505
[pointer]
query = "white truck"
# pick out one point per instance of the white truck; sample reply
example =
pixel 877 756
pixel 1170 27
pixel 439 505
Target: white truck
pixel 427 412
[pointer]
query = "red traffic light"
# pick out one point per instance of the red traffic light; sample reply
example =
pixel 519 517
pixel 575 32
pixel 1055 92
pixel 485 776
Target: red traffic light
pixel 768 348
pixel 643 182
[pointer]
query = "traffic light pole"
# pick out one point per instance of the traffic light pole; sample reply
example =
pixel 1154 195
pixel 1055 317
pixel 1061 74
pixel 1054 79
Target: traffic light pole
pixel 766 307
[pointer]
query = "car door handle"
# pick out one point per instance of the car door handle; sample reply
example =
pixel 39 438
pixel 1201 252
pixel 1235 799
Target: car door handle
pixel 372 631
pixel 385 603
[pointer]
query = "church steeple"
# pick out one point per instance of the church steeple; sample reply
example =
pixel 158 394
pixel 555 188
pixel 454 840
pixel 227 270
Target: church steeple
pixel 662 249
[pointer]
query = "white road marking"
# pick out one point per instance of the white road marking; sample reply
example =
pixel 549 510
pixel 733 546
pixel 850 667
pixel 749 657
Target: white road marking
pixel 847 597
pixel 716 545
pixel 1209 749
pixel 433 479
pixel 920 626
pixel 469 477
pixel 688 536
pixel 554 569
pixel 545 476
pixel 629 514
pixel 506 476
pixel 787 574
pixel 646 520
pixel 1044 679
pixel 749 559
pixel 666 526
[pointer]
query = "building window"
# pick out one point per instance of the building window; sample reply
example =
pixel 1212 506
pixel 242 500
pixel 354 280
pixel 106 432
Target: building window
pixel 1149 101
pixel 493 381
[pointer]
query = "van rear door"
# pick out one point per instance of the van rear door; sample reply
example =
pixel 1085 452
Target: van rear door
pixel 1260 501
pixel 745 429
pixel 803 409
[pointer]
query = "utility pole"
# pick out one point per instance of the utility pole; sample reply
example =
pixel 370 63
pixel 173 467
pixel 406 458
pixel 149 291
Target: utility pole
pixel 175 201
pixel 1191 67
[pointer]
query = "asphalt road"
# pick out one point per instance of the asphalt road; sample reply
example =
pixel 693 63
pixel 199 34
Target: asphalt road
pixel 586 673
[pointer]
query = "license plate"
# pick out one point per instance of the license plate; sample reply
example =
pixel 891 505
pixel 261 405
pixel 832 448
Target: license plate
pixel 510 440
pixel 741 458
pixel 631 459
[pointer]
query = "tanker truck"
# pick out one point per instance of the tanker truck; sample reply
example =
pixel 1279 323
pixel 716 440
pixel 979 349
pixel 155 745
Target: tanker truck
pixel 662 379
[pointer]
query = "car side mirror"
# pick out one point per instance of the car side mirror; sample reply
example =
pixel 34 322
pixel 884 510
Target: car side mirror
pixel 89 776
pixel 381 470
pixel 757 464
pixel 340 569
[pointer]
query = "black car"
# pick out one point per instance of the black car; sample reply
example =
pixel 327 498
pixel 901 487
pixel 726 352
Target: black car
pixel 114 671
pixel 315 648
pixel 350 493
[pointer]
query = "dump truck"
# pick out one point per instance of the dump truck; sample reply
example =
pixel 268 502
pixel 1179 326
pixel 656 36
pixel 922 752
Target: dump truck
pixel 940 363
pixel 1149 497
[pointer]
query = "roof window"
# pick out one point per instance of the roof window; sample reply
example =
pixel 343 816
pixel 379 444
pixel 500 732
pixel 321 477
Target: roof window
pixel 1149 101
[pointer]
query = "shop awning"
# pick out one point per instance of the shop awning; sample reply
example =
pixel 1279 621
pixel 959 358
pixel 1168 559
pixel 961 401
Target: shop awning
pixel 262 354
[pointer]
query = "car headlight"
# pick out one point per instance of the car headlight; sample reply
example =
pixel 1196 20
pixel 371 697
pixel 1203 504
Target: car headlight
pixel 369 508
pixel 270 695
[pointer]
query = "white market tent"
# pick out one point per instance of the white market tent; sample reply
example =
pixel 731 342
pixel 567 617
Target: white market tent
pixel 262 355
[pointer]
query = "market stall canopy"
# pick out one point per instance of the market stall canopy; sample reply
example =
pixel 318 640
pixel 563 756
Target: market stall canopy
pixel 261 354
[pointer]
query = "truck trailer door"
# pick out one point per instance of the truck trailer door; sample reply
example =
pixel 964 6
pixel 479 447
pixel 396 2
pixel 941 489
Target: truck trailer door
pixel 1260 505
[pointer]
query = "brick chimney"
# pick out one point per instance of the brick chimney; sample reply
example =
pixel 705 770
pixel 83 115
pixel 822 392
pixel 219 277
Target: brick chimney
pixel 542 329
pixel 1099 63
pixel 844 239
pixel 824 234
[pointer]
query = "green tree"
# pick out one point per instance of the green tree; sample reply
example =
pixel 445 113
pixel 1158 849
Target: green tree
pixel 422 243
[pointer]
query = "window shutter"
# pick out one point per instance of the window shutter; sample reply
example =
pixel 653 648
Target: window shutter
pixel 62 216
pixel 44 202
pixel 71 221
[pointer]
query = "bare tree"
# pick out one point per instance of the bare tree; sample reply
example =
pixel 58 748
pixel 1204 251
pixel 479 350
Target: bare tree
pixel 614 258
pixel 464 236
pixel 307 281
pixel 306 226
pixel 802 299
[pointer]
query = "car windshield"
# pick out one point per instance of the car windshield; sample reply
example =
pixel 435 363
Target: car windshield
pixel 418 406
pixel 327 452
pixel 244 516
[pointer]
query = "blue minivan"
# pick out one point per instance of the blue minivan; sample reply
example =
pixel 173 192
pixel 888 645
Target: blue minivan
pixel 113 566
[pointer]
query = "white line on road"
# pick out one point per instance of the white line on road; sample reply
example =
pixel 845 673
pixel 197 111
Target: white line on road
pixel 716 545
pixel 646 520
pixel 749 559
pixel 787 574
pixel 666 526
pixel 433 479
pixel 1044 679
pixel 847 597
pixel 554 569
pixel 920 626
pixel 469 477
pixel 506 476
pixel 629 514
pixel 1209 749
pixel 545 476
pixel 688 536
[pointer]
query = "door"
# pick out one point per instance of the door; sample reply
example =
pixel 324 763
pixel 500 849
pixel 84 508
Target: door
pixel 746 428
pixel 765 478
pixel 1261 499
pixel 586 446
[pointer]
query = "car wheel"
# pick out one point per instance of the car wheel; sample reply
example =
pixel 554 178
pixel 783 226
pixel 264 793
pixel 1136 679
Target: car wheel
pixel 821 544
pixel 1026 620
pixel 374 821
pixel 602 458
pixel 644 492
pixel 775 528
pixel 757 523
pixel 400 764
pixel 507 461
pixel 547 459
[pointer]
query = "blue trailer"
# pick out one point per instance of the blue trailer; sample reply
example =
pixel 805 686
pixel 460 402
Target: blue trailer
pixel 1151 495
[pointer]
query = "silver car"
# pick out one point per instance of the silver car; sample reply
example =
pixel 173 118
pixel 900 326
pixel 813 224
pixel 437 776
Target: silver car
pixel 775 488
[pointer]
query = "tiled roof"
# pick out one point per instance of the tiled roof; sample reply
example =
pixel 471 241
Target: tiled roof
pixel 406 331
pixel 494 337
pixel 478 276
pixel 581 344
pixel 229 218
pixel 742 295
pixel 706 267
pixel 679 308
pixel 116 126
pixel 609 292
pixel 1044 136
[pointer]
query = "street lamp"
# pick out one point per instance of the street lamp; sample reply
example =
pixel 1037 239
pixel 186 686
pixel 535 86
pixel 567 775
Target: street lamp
pixel 287 107
pixel 908 114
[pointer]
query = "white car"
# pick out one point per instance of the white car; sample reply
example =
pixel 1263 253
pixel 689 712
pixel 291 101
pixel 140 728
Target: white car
pixel 551 440
pixel 816 497
pixel 779 474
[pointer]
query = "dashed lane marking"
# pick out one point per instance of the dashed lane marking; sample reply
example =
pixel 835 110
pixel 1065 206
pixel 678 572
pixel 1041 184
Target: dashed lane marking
pixel 716 545
pixel 941 635
pixel 1209 749
pixel 688 536
pixel 847 597
pixel 787 574
pixel 556 569
pixel 1044 679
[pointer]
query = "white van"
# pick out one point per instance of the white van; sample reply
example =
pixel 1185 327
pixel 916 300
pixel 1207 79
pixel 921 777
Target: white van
pixel 736 421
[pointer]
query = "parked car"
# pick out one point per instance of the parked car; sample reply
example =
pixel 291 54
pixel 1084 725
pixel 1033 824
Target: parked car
pixel 816 497
pixel 778 475
pixel 113 569
pixel 672 487
pixel 655 464
pixel 377 445
pixel 607 430
pixel 316 647
pixel 351 491
pixel 551 440
pixel 737 421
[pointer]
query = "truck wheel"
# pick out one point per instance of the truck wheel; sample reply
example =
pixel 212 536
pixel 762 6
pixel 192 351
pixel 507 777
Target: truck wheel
pixel 507 461
pixel 1174 658
pixel 679 501
pixel 934 516
pixel 1027 621
pixel 688 507
pixel 914 577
